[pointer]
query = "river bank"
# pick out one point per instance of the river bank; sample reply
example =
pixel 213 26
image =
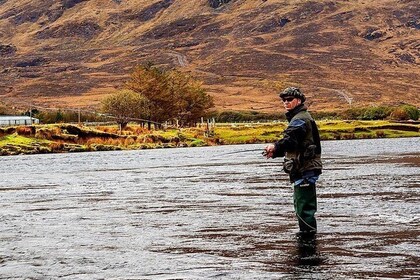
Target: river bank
pixel 58 138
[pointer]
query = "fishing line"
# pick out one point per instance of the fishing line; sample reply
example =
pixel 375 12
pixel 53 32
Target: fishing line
pixel 274 175
pixel 300 218
pixel 261 150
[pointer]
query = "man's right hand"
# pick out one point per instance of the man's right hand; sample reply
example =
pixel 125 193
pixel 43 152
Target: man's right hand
pixel 269 150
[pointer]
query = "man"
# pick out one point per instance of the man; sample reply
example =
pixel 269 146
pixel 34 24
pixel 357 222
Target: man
pixel 301 148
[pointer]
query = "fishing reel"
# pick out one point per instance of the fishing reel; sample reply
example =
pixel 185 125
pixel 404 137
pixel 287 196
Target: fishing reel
pixel 264 153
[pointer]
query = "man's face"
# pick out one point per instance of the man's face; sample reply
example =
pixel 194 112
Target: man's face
pixel 290 102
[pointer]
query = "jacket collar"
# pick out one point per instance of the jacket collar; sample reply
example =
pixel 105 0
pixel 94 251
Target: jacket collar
pixel 295 111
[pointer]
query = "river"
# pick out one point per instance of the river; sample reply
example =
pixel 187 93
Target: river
pixel 209 213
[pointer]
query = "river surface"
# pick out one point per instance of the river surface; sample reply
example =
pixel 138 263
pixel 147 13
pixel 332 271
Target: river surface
pixel 209 213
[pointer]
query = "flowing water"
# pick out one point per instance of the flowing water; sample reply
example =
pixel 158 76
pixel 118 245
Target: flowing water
pixel 209 213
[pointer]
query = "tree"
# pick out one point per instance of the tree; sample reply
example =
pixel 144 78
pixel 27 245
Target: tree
pixel 196 103
pixel 172 94
pixel 150 82
pixel 126 105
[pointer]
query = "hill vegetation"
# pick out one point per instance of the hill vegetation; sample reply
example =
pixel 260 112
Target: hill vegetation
pixel 73 53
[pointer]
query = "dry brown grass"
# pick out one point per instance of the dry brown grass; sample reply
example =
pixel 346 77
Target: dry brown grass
pixel 25 130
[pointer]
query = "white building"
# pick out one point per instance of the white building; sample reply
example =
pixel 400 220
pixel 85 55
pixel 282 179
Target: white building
pixel 17 120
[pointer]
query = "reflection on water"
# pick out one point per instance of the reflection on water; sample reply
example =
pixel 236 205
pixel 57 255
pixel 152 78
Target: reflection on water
pixel 209 213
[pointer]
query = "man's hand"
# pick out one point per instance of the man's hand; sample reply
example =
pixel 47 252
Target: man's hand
pixel 269 151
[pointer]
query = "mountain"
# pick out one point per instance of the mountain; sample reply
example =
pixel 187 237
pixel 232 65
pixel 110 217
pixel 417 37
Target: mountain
pixel 71 53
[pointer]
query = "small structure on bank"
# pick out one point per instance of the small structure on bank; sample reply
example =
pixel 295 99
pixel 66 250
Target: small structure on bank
pixel 17 120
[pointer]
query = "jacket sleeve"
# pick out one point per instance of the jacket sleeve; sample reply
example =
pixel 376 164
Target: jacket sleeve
pixel 293 138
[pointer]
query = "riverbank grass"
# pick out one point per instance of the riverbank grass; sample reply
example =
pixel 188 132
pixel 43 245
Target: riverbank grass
pixel 329 130
pixel 14 144
pixel 73 138
pixel 355 129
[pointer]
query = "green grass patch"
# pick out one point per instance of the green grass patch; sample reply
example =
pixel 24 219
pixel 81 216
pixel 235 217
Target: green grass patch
pixel 366 129
pixel 250 133
pixel 14 139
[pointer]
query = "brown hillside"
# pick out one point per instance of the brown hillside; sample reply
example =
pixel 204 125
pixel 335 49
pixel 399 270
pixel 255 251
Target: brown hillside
pixel 70 53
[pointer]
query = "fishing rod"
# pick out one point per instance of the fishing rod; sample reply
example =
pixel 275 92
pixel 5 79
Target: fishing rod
pixel 263 152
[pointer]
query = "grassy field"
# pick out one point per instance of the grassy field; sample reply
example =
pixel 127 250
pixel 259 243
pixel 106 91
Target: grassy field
pixel 72 138
pixel 329 130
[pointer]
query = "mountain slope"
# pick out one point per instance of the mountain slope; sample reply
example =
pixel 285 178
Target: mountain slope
pixel 73 52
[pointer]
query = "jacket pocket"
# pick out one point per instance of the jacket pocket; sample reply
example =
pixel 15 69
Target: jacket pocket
pixel 289 165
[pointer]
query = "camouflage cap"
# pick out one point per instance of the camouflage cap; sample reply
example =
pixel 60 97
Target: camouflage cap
pixel 293 91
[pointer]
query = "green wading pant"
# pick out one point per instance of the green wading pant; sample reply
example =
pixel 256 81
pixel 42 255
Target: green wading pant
pixel 304 199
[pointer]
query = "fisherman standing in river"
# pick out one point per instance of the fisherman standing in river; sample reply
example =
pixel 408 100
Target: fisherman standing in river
pixel 301 149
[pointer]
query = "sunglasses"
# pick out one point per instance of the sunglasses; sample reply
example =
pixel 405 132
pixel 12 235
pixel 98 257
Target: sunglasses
pixel 288 99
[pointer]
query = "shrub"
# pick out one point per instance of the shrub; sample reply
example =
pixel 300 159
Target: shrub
pixel 129 141
pixel 412 112
pixel 65 116
pixel 136 129
pixel 47 133
pixel 376 113
pixel 347 136
pixel 246 116
pixel 25 130
pixel 352 113
pixel 56 146
pixel 405 112
pixel 197 143
pixel 399 114
pixel 380 134
pixel 369 113
pixel 325 115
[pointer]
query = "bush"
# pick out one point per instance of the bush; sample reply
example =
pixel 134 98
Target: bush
pixel 197 143
pixel 25 130
pixel 352 114
pixel 405 112
pixel 399 114
pixel 376 113
pixel 66 116
pixel 412 111
pixel 369 113
pixel 380 134
pixel 246 116
pixel 325 115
